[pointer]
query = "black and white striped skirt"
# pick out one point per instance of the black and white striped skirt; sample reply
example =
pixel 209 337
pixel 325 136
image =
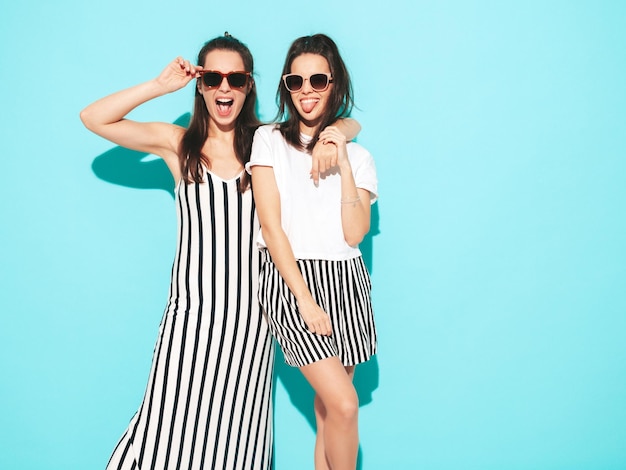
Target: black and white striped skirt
pixel 342 289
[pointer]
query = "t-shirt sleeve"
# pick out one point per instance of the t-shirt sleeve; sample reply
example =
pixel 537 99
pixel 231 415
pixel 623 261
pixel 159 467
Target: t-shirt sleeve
pixel 261 153
pixel 364 171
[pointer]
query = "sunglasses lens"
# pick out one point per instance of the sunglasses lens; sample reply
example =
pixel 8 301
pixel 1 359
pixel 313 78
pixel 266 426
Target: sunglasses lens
pixel 319 81
pixel 211 79
pixel 293 82
pixel 237 80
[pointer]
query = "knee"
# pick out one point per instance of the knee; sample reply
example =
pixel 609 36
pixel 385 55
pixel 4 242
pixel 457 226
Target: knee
pixel 347 408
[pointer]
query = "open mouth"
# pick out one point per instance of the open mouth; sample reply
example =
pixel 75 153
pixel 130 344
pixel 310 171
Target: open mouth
pixel 308 105
pixel 224 105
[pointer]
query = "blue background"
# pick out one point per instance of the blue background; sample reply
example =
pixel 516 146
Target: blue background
pixel 498 252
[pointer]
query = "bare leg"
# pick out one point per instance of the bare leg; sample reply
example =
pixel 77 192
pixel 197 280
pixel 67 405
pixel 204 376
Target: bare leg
pixel 321 463
pixel 336 411
pixel 320 452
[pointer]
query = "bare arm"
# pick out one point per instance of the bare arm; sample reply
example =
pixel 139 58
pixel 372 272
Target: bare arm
pixel 355 202
pixel 267 201
pixel 325 156
pixel 106 117
pixel 348 127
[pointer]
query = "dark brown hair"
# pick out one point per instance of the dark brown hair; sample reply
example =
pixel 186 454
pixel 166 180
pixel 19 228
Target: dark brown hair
pixel 190 153
pixel 341 99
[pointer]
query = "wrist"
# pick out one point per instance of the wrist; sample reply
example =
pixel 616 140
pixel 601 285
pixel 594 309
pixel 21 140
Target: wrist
pixel 303 298
pixel 158 87
pixel 344 165
pixel 351 200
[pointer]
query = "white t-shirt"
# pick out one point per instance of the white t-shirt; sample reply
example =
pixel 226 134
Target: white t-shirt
pixel 310 215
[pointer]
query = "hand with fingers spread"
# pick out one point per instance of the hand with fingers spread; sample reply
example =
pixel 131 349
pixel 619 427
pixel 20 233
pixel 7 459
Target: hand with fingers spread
pixel 178 74
pixel 316 319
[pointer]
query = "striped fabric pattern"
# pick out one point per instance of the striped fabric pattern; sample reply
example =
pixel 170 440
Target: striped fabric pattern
pixel 341 289
pixel 207 404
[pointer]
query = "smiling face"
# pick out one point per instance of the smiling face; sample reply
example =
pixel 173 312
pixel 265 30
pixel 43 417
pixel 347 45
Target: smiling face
pixel 223 102
pixel 309 103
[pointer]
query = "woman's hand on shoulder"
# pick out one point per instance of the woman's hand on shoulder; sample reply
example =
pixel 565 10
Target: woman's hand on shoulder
pixel 329 151
pixel 332 135
pixel 323 158
pixel 178 74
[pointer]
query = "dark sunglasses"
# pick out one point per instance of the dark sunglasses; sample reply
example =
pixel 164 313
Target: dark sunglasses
pixel 213 78
pixel 318 81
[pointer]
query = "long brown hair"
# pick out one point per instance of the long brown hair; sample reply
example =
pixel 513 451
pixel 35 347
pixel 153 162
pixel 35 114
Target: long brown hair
pixel 341 99
pixel 190 153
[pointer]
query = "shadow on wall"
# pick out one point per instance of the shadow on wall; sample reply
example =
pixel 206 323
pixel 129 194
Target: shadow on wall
pixel 127 168
pixel 367 246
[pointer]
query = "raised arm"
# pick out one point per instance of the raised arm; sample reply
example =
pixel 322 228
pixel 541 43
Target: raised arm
pixel 324 156
pixel 267 201
pixel 106 117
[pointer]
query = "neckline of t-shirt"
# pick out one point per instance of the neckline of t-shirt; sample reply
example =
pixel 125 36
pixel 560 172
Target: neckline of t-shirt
pixel 224 180
pixel 305 138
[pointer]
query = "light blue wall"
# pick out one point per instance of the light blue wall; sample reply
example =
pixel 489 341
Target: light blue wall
pixel 498 259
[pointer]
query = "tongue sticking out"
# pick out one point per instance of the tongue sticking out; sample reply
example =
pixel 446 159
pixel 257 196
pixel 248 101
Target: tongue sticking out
pixel 308 105
pixel 224 107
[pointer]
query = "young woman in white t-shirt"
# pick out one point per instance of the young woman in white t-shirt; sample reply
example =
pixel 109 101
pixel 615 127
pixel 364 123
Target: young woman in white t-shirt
pixel 313 286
